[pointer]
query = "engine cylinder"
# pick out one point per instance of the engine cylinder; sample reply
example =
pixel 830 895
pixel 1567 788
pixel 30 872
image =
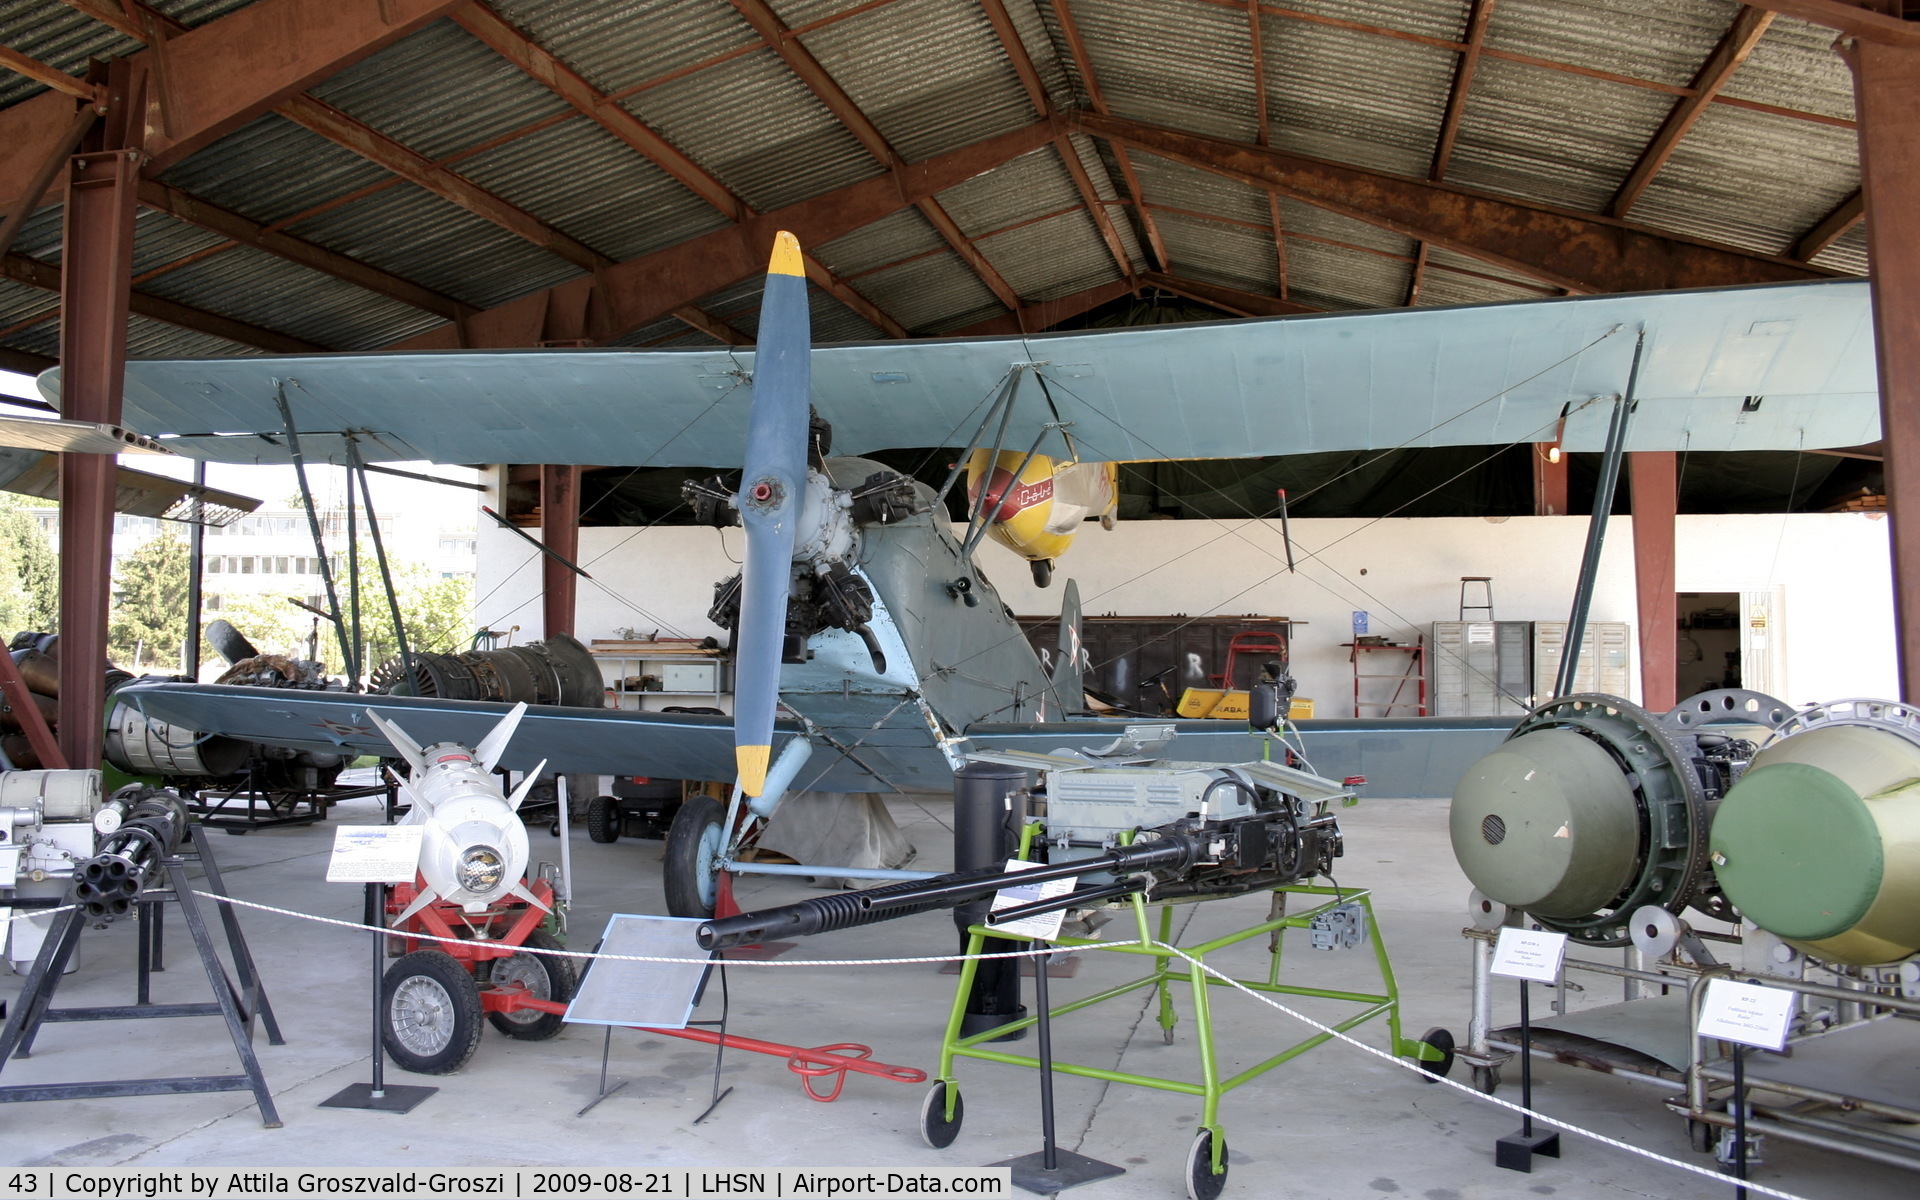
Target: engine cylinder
pixel 1819 842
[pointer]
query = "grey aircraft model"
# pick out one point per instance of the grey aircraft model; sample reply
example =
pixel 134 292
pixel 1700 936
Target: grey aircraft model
pixel 872 654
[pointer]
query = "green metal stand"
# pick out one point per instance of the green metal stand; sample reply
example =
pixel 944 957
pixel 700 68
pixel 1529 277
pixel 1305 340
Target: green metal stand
pixel 1168 968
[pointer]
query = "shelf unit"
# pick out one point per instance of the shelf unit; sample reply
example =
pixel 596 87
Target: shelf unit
pixel 688 675
pixel 1413 671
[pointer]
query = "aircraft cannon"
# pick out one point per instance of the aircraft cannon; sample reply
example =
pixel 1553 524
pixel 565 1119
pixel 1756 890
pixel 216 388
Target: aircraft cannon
pixel 147 826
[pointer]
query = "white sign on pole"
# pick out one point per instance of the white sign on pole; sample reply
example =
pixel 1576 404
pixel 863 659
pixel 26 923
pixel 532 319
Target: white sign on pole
pixel 1529 954
pixel 374 854
pixel 1044 927
pixel 1746 1013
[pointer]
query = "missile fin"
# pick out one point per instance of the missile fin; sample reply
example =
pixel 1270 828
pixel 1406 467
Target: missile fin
pixel 526 785
pixel 520 890
pixel 427 896
pixel 494 745
pixel 408 748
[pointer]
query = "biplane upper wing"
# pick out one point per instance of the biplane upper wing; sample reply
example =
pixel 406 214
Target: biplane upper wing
pixel 1786 366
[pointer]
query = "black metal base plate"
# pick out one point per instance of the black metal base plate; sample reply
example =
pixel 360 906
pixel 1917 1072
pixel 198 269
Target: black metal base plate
pixel 1070 1170
pixel 399 1098
pixel 978 1023
pixel 1515 1151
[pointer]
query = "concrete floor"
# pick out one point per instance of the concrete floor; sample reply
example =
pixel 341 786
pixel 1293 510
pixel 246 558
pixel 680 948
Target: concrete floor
pixel 1334 1124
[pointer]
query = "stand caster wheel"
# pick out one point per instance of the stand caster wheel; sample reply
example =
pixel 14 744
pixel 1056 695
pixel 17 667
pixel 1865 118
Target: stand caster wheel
pixel 1486 1080
pixel 1441 1040
pixel 1202 1183
pixel 1702 1136
pixel 935 1129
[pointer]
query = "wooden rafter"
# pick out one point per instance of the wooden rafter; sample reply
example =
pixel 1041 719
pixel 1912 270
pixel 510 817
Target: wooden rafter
pixel 1749 26
pixel 1083 64
pixel 803 64
pixel 1829 229
pixel 1023 68
pixel 1478 18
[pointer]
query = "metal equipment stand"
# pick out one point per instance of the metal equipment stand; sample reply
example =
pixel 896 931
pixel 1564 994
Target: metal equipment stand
pixel 1515 1151
pixel 238 1005
pixel 1051 1169
pixel 1740 1121
pixel 400 1098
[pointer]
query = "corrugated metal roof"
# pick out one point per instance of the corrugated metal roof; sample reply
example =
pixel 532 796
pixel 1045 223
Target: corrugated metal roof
pixel 1055 257
pixel 439 91
pixel 752 124
pixel 1019 190
pixel 929 294
pixel 1215 253
pixel 880 244
pixel 1456 279
pixel 1658 40
pixel 1104 188
pixel 1794 66
pixel 617 46
pixel 610 197
pixel 1331 277
pixel 1848 252
pixel 929 74
pixel 65 38
pixel 1391 124
pixel 1173 62
pixel 445 247
pixel 270 169
pixel 261 289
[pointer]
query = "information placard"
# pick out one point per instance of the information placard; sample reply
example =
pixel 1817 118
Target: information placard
pixel 1746 1013
pixel 1045 926
pixel 1529 954
pixel 374 854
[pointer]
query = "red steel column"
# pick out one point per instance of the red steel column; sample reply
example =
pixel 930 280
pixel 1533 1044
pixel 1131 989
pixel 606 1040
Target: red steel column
pixel 96 273
pixel 560 530
pixel 1656 501
pixel 1886 95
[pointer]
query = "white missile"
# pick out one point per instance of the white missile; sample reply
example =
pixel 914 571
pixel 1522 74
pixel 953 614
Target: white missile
pixel 473 848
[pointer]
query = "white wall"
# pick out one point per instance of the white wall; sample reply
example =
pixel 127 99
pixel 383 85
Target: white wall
pixel 1836 622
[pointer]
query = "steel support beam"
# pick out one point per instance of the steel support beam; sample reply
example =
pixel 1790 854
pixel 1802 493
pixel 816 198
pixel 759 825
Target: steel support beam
pixel 96 273
pixel 1749 26
pixel 1886 93
pixel 34 273
pixel 1864 19
pixel 1083 66
pixel 560 533
pixel 1045 314
pixel 645 289
pixel 1655 484
pixel 1831 228
pixel 1478 17
pixel 1581 252
pixel 1233 300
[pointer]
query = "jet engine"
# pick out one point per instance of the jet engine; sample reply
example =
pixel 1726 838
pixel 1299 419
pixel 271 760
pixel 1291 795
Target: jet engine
pixel 1594 807
pixel 1819 842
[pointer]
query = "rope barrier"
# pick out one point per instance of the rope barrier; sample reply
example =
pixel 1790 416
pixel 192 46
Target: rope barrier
pixel 1404 1064
pixel 24 913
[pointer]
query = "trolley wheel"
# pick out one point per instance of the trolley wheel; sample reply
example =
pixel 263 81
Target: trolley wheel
pixel 935 1129
pixel 1441 1040
pixel 694 842
pixel 1202 1183
pixel 1486 1080
pixel 547 977
pixel 603 820
pixel 1702 1136
pixel 1042 569
pixel 430 1013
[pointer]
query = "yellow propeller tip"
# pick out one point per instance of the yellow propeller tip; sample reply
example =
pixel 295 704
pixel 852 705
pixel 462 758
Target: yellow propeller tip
pixel 751 761
pixel 786 256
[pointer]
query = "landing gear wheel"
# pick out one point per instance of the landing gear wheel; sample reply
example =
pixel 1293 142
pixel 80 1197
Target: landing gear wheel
pixel 1486 1080
pixel 547 977
pixel 694 843
pixel 1042 571
pixel 1441 1040
pixel 603 820
pixel 1202 1183
pixel 430 1013
pixel 935 1129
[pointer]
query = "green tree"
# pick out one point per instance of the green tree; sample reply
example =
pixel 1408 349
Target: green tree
pixel 149 617
pixel 29 570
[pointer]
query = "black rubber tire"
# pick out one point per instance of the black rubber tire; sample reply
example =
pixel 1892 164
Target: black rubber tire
pixel 682 874
pixel 545 973
pixel 1486 1080
pixel 1441 1040
pixel 454 1034
pixel 1702 1136
pixel 1202 1183
pixel 1042 571
pixel 935 1129
pixel 603 820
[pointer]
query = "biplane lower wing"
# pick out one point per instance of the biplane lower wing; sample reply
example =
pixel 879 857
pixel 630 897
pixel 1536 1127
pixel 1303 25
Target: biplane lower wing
pixel 1400 758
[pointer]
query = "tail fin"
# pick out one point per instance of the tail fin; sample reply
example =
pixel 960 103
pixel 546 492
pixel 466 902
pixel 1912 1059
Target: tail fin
pixel 409 749
pixel 1070 656
pixel 494 745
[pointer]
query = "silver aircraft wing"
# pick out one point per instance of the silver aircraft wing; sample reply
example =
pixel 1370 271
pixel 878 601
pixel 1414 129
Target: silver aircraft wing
pixel 1774 367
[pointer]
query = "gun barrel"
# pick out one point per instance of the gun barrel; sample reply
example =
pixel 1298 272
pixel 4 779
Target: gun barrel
pixel 848 909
